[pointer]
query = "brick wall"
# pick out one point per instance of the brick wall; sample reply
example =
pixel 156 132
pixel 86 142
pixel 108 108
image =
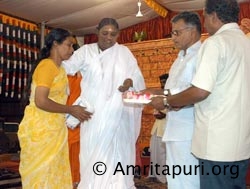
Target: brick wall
pixel 154 58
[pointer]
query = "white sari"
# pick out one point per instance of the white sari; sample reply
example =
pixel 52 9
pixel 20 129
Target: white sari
pixel 110 135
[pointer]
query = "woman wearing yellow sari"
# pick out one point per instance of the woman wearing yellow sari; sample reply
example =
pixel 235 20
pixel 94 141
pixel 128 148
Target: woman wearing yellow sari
pixel 42 132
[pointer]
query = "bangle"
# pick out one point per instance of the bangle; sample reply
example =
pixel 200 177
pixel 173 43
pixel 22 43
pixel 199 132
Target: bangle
pixel 165 102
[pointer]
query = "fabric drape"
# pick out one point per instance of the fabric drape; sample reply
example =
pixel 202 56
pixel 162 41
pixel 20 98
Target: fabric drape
pixel 19 47
pixel 111 133
pixel 74 135
pixel 160 27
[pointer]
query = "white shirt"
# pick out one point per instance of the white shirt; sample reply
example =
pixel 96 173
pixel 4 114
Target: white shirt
pixel 222 120
pixel 180 123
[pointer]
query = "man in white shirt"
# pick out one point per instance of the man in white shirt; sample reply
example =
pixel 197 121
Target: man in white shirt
pixel 220 90
pixel 186 33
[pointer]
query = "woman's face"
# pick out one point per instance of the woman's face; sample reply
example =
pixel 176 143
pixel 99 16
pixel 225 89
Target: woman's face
pixel 65 49
pixel 107 36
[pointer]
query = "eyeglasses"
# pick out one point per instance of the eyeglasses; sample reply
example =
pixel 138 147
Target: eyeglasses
pixel 178 32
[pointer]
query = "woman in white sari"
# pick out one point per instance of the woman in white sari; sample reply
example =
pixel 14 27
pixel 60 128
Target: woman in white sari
pixel 110 135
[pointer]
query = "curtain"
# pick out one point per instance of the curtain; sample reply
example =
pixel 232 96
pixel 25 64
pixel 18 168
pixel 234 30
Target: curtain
pixel 19 48
pixel 159 27
pixel 20 43
pixel 244 10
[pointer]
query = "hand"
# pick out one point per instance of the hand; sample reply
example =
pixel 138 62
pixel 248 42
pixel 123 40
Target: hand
pixel 126 85
pixel 80 113
pixel 160 115
pixel 157 102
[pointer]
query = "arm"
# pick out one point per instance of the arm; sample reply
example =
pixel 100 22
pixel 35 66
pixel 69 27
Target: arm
pixel 76 62
pixel 153 91
pixel 43 102
pixel 159 91
pixel 187 97
pixel 133 71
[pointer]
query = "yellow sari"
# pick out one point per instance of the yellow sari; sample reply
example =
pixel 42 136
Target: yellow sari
pixel 43 135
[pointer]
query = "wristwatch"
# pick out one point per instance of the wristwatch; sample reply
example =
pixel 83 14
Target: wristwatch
pixel 166 92
pixel 165 102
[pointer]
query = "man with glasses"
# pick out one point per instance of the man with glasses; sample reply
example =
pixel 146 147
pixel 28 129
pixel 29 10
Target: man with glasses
pixel 186 33
pixel 220 91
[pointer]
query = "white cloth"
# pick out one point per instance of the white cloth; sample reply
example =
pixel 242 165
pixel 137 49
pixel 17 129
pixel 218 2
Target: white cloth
pixel 181 161
pixel 180 123
pixel 71 121
pixel 222 120
pixel 110 135
pixel 157 152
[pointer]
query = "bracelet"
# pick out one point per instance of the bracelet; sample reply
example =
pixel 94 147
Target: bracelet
pixel 165 102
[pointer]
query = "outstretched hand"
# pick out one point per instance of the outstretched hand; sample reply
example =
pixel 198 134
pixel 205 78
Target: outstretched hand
pixel 126 85
pixel 157 103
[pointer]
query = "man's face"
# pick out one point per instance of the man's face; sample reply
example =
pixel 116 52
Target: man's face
pixel 208 22
pixel 107 36
pixel 182 34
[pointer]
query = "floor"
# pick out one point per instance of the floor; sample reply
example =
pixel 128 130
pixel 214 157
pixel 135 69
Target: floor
pixel 146 183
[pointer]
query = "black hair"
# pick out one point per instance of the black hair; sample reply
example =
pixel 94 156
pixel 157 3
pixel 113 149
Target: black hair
pixel 163 79
pixel 56 35
pixel 75 44
pixel 59 35
pixel 226 10
pixel 191 18
pixel 107 21
pixel 163 76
